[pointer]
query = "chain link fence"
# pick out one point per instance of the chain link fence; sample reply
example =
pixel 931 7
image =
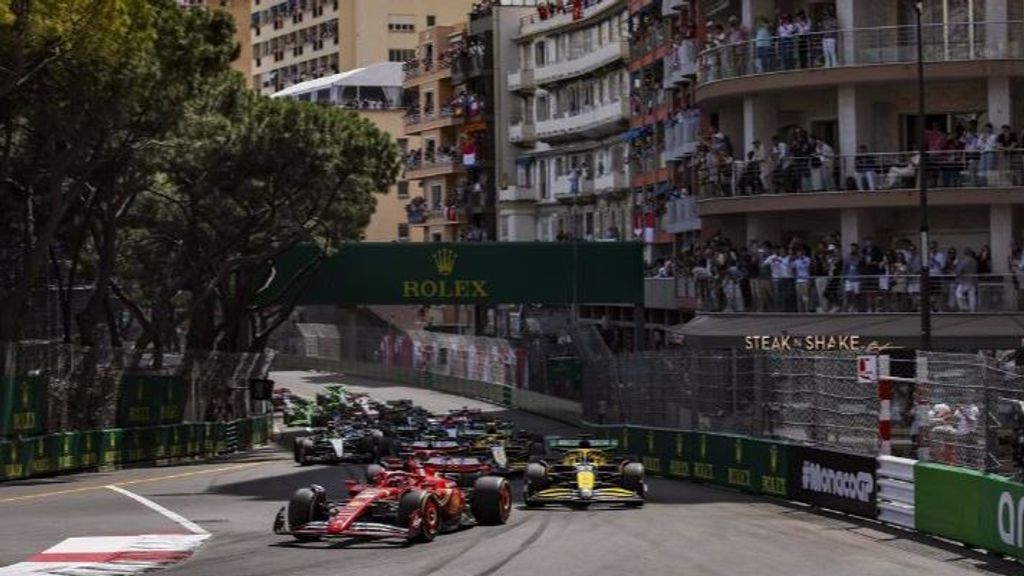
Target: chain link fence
pixel 56 387
pixel 959 409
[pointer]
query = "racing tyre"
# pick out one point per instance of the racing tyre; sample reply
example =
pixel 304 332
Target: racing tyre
pixel 303 450
pixel 306 505
pixel 492 500
pixel 372 470
pixel 413 503
pixel 633 480
pixel 536 476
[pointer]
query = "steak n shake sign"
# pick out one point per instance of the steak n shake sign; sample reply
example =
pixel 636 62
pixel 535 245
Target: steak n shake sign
pixel 460 273
pixel 850 343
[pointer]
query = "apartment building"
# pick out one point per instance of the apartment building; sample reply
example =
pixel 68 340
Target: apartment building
pixel 293 41
pixel 813 112
pixel 571 177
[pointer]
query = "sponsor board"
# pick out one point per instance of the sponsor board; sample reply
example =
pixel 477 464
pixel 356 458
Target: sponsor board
pixel 972 507
pixel 836 480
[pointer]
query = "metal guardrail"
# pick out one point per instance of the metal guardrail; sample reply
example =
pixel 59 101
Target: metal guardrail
pixel 516 398
pixel 860 172
pixel 862 47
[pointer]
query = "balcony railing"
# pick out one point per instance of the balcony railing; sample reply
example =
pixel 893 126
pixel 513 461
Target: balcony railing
pixel 521 80
pixel 522 132
pixel 863 47
pixel 517 194
pixel 611 181
pixel 875 294
pixel 649 40
pixel 681 215
pixel 681 136
pixel 594 119
pixel 582 62
pixel 865 172
pixel 680 62
pixel 563 187
pixel 544 21
pixel 423 169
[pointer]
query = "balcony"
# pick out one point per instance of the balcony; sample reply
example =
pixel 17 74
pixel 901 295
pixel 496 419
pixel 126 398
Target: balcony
pixel 517 194
pixel 680 64
pixel 592 122
pixel 681 215
pixel 521 81
pixel 877 294
pixel 581 62
pixel 534 24
pixel 777 58
pixel 522 133
pixel 611 181
pixel 672 293
pixel 875 180
pixel 416 123
pixel 423 170
pixel 681 136
pixel 424 72
pixel 562 189
pixel 466 67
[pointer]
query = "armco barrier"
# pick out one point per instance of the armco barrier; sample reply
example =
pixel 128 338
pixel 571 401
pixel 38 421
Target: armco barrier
pixel 896 491
pixel 77 451
pixel 548 406
pixel 973 507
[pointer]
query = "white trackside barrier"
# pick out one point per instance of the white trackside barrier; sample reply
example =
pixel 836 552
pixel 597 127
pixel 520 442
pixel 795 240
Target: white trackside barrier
pixel 896 491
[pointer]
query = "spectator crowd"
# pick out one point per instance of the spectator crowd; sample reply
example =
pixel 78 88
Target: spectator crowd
pixel 824 277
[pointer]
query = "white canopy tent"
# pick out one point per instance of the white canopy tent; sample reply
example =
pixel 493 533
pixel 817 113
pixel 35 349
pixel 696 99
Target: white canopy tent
pixel 381 81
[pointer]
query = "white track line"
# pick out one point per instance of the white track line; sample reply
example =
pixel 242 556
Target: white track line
pixel 184 522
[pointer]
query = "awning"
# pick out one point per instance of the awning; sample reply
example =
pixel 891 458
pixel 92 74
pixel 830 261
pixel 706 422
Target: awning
pixel 949 331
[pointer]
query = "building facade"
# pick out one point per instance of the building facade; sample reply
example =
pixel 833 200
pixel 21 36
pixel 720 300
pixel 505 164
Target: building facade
pixel 297 40
pixel 813 163
pixel 375 93
pixel 571 178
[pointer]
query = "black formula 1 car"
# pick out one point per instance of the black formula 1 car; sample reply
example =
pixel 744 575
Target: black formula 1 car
pixel 584 474
pixel 336 444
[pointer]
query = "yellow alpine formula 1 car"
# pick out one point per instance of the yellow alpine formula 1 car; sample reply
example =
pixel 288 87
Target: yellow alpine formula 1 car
pixel 586 474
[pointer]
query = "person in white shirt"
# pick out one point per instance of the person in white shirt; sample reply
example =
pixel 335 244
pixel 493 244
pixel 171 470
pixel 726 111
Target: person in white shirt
pixel 786 31
pixel 766 166
pixel 826 171
pixel 779 265
pixel 987 146
pixel 803 38
pixel 780 155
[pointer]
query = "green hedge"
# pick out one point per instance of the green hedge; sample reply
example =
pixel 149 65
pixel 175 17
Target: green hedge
pixel 76 451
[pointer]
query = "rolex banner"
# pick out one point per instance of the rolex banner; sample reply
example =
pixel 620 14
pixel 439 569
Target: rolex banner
pixel 460 273
pixel 22 405
pixel 151 401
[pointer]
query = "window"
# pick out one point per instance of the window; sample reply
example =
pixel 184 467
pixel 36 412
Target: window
pixel 436 237
pixel 403 189
pixel 435 196
pixel 403 144
pixel 403 232
pixel 401 23
pixel 504 227
pixel 401 55
pixel 431 20
pixel 539 57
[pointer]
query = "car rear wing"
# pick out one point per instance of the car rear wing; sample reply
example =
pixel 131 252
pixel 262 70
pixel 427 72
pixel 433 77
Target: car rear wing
pixel 557 443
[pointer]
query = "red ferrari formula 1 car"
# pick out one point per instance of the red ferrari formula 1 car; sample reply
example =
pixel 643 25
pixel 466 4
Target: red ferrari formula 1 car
pixel 415 505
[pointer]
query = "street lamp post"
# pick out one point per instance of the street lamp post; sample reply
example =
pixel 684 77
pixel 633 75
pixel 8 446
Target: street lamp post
pixel 922 148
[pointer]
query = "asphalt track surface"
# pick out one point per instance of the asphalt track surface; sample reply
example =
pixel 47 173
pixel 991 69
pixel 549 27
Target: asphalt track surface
pixel 685 528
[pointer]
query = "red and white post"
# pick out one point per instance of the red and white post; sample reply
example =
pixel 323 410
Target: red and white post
pixel 884 406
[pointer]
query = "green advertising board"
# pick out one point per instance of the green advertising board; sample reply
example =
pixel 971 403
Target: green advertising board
pixel 741 462
pixel 462 273
pixel 975 508
pixel 22 405
pixel 151 400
